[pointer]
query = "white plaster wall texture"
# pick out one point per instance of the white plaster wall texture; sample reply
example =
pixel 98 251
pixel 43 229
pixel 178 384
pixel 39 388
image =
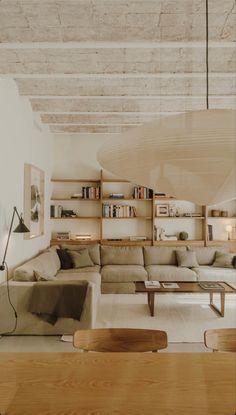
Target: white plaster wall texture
pixel 22 140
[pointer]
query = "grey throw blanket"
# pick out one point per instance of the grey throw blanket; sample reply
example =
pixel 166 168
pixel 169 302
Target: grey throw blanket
pixel 53 299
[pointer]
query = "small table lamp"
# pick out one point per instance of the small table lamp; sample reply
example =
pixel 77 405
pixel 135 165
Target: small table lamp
pixel 21 228
pixel 229 229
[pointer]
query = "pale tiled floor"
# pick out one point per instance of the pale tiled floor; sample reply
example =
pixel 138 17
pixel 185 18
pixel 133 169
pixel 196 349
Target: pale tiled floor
pixel 54 344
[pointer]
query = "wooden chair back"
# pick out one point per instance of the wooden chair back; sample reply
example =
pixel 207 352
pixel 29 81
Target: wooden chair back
pixel 120 340
pixel 223 340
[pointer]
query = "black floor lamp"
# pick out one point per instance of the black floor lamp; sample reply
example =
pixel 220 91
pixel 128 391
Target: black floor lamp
pixel 21 228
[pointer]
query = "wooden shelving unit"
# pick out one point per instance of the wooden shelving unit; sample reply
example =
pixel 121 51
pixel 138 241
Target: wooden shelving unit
pixel 151 218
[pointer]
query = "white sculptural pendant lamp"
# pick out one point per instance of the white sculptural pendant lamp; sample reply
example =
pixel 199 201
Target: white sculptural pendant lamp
pixel 190 156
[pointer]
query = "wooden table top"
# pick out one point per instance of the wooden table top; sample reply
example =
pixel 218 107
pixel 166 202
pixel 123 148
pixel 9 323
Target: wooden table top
pixel 117 383
pixel 184 287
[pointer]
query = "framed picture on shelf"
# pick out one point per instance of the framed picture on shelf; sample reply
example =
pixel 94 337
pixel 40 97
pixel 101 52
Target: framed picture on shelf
pixel 162 210
pixel 65 236
pixel 33 201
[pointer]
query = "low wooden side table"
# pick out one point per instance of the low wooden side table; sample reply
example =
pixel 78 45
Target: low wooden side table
pixel 186 287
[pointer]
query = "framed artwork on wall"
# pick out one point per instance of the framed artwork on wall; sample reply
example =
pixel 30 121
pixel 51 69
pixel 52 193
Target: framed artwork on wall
pixel 33 200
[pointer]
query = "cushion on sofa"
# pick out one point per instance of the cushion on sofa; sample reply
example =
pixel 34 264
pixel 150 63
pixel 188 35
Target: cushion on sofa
pixel 123 273
pixel 44 263
pixel 186 259
pixel 94 251
pixel 170 273
pixel 81 258
pixel 206 255
pixel 161 255
pixel 65 259
pixel 223 260
pixel 53 251
pixel 209 273
pixel 121 255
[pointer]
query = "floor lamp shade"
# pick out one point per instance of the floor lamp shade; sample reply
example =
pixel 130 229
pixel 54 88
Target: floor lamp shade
pixel 190 156
pixel 21 228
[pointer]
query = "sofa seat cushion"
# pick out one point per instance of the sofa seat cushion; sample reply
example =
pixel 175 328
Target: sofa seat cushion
pixel 170 273
pixel 44 263
pixel 93 277
pixel 121 255
pixel 161 255
pixel 207 273
pixel 123 273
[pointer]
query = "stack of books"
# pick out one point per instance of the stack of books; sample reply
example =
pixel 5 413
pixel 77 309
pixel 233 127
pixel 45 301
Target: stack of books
pixel 90 192
pixel 116 196
pixel 141 192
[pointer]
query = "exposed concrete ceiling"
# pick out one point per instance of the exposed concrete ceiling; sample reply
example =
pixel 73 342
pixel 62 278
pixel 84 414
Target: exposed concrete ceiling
pixel 103 66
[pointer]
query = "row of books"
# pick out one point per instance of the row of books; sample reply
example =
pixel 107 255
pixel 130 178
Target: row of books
pixel 141 192
pixel 56 211
pixel 90 192
pixel 118 211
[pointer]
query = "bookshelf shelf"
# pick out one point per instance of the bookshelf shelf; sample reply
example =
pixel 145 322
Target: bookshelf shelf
pixel 74 199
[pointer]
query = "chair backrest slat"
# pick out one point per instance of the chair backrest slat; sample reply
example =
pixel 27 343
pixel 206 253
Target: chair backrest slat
pixel 120 340
pixel 223 340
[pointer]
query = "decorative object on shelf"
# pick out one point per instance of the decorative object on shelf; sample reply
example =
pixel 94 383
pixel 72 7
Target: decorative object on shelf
pixel 172 210
pixel 83 237
pixel 21 228
pixel 68 214
pixel 116 196
pixel 229 229
pixel 177 154
pixel 34 200
pixel 224 213
pixel 210 232
pixel 162 210
pixel 160 234
pixel 63 235
pixel 183 236
pixel 77 196
pixel 215 213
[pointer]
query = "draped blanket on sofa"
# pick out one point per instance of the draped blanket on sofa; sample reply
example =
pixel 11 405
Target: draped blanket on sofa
pixel 54 299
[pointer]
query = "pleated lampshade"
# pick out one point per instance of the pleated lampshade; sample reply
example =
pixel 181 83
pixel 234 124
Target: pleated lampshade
pixel 191 156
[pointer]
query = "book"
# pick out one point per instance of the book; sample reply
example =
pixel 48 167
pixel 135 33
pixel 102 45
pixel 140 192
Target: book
pixel 170 285
pixel 211 285
pixel 152 284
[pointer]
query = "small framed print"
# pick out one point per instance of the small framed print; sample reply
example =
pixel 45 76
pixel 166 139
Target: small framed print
pixel 162 210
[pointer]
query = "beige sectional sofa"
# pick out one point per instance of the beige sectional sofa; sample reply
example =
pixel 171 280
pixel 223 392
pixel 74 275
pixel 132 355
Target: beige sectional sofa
pixel 115 270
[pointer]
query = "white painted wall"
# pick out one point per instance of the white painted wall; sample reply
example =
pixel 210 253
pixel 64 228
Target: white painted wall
pixel 22 140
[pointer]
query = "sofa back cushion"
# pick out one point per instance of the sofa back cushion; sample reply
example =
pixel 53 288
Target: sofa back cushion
pixel 206 255
pixel 122 255
pixel 161 255
pixel 47 263
pixel 94 251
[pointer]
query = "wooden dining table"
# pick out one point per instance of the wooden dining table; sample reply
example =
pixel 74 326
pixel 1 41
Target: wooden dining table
pixel 117 383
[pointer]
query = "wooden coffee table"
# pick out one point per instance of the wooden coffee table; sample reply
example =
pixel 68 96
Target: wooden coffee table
pixel 186 287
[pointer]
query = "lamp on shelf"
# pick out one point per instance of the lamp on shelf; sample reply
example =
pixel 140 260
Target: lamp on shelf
pixel 21 228
pixel 229 229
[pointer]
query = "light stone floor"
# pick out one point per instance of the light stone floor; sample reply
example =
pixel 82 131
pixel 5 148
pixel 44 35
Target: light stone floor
pixel 54 344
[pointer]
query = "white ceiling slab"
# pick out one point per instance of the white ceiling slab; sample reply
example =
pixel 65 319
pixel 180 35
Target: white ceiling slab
pixel 103 66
